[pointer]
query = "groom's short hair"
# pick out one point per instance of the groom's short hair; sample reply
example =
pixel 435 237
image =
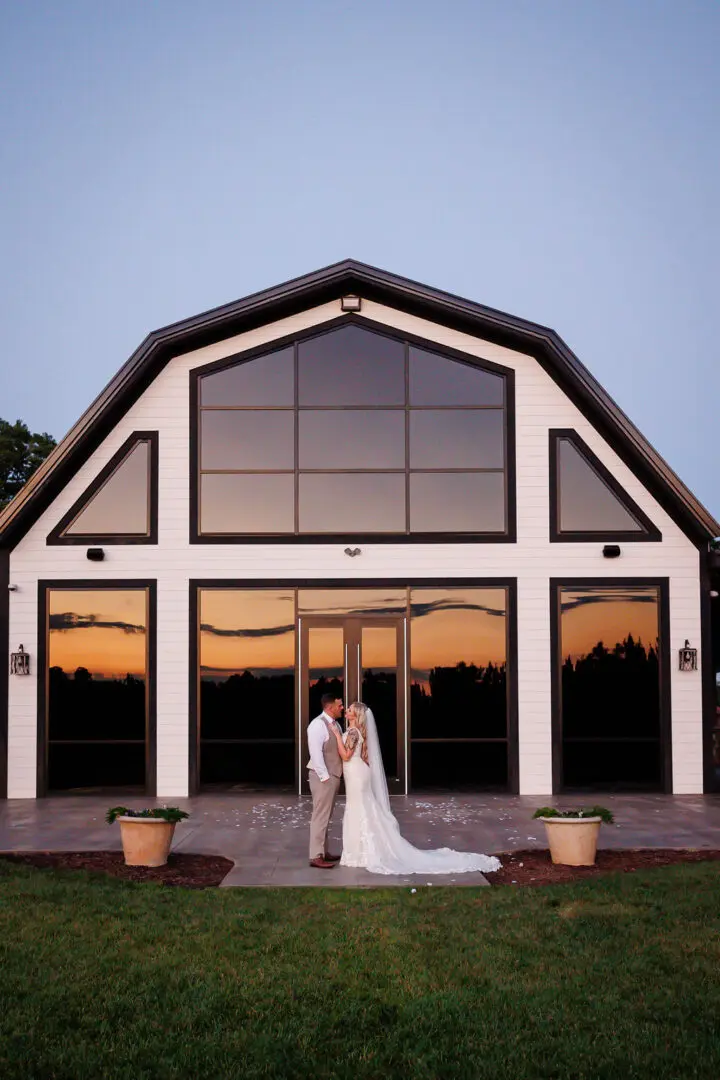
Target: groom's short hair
pixel 329 699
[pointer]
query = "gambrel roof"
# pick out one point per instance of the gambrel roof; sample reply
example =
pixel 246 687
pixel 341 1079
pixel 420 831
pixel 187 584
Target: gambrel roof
pixel 320 287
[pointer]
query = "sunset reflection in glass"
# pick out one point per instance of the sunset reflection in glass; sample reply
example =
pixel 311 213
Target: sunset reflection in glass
pixel 97 687
pixel 610 676
pixel 247 680
pixel 458 691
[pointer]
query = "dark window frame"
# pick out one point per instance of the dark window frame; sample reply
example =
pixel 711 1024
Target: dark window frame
pixel 648 533
pixel 56 538
pixel 508 583
pixel 148 585
pixel 509 536
pixel 662 584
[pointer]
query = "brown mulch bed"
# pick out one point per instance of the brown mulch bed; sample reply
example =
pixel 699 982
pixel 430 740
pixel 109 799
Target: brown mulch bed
pixel 189 871
pixel 535 868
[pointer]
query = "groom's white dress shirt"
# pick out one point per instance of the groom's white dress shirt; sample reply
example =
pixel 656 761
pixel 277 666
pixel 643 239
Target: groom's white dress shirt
pixel 318 735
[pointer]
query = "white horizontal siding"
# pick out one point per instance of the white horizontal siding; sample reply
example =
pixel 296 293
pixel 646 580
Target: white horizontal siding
pixel 540 405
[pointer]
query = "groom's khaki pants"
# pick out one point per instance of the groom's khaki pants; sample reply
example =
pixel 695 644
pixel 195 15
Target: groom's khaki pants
pixel 324 794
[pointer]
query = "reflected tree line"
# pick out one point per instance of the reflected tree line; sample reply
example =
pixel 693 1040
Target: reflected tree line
pixel 612 691
pixel 465 701
pixel 83 707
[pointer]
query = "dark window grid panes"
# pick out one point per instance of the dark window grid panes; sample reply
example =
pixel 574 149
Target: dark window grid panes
pixel 457 438
pixel 233 503
pixel 121 507
pixel 437 379
pixel 351 366
pixel 246 440
pixel 458 501
pixel 585 502
pixel 267 380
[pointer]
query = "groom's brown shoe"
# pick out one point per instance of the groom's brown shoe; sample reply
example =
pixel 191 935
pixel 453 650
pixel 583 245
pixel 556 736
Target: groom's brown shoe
pixel 331 858
pixel 321 864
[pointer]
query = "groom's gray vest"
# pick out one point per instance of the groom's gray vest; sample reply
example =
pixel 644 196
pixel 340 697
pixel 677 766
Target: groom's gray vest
pixel 333 761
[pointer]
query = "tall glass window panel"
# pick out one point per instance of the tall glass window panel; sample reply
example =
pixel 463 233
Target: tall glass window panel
pixel 247 687
pixel 435 380
pixel 351 366
pixel 353 439
pixel 352 502
pixel 121 507
pixel 326 665
pixel 610 686
pixel 265 381
pixel 379 661
pixel 245 439
pixel 457 502
pixel 456 439
pixel 586 503
pixel 458 686
pixel 97 688
pixel 236 503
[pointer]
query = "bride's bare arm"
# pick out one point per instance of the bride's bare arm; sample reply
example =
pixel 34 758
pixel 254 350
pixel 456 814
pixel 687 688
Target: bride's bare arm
pixel 345 750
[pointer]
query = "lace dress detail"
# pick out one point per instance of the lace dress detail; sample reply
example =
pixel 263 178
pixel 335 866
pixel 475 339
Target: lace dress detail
pixel 371 833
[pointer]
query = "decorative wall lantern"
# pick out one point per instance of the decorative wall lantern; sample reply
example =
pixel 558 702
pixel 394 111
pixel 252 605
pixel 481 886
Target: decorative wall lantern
pixel 688 658
pixel 20 662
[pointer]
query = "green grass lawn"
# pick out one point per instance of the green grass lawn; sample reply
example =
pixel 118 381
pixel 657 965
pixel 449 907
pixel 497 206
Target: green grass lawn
pixel 617 978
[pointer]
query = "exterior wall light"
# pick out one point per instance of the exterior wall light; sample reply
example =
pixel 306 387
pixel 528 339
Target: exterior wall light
pixel 350 303
pixel 20 662
pixel 688 657
pixel 95 554
pixel 611 551
pixel 352 552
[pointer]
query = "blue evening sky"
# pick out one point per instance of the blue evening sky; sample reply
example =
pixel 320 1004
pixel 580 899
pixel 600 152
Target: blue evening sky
pixel 557 159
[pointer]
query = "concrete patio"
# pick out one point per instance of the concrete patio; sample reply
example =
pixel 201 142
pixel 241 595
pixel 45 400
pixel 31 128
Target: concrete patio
pixel 266 836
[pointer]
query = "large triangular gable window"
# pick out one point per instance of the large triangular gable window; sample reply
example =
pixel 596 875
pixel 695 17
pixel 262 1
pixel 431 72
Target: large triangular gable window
pixel 120 506
pixel 586 501
pixel 353 432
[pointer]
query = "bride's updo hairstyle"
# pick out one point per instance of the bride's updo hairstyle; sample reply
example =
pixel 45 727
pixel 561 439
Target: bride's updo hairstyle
pixel 360 723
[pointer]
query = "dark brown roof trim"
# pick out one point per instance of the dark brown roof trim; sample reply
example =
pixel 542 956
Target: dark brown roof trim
pixel 396 292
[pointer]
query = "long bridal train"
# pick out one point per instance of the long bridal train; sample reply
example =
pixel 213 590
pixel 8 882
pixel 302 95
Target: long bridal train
pixel 371 832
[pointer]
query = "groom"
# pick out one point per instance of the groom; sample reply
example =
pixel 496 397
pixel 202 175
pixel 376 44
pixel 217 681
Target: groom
pixel 324 774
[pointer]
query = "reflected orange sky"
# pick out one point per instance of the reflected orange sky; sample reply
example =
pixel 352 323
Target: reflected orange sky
pixel 252 629
pixel 470 634
pixel 608 615
pixel 457 627
pixel 107 651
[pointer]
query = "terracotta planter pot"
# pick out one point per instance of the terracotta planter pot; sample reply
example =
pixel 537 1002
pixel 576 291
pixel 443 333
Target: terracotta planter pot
pixel 146 841
pixel 573 841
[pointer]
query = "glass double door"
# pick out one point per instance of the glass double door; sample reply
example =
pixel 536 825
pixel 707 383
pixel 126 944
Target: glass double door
pixel 357 659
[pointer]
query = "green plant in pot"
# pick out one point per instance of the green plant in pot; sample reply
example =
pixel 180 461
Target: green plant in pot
pixel 146 834
pixel 573 834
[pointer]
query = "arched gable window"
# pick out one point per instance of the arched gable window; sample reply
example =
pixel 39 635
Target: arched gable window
pixel 351 432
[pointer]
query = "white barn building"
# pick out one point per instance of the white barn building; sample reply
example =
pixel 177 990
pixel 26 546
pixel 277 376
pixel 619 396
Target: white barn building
pixel 356 482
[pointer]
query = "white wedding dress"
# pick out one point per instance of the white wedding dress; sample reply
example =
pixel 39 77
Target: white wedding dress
pixel 371 832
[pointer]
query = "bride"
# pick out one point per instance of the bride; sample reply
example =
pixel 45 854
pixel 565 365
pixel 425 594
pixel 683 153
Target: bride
pixel 371 833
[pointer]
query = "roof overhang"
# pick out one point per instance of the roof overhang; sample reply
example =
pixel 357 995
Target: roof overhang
pixel 323 286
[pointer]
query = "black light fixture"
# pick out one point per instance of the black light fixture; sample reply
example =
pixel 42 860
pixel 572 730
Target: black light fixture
pixel 95 554
pixel 352 552
pixel 351 303
pixel 611 551
pixel 20 662
pixel 687 657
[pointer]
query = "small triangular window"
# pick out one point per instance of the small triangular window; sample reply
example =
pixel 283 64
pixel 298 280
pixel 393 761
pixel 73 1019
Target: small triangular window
pixel 119 503
pixel 589 501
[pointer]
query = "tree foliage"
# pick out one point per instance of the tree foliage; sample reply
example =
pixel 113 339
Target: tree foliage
pixel 21 452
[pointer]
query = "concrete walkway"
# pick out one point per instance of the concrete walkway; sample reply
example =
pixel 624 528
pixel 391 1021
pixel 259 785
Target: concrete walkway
pixel 266 836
